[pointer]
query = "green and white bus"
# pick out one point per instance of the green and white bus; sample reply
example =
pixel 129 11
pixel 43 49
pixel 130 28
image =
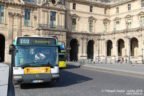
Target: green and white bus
pixel 34 60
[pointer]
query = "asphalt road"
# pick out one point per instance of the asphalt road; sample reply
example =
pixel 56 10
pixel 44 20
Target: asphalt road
pixel 82 82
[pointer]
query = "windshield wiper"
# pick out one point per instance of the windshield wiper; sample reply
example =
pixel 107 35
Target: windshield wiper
pixel 25 65
pixel 48 64
pixel 28 64
pixel 36 64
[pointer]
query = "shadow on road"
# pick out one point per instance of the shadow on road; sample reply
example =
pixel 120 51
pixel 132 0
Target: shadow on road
pixel 66 79
pixel 69 78
pixel 69 66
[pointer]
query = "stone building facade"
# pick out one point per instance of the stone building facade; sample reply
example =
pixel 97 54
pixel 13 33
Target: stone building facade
pixel 104 30
pixel 28 18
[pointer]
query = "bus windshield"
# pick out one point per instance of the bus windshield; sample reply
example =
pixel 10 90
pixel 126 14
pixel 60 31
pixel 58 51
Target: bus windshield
pixel 36 56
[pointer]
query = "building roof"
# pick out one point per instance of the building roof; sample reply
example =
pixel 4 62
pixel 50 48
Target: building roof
pixel 106 1
pixel 32 2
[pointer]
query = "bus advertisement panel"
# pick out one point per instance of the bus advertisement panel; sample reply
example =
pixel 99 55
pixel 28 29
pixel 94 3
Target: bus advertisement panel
pixel 62 55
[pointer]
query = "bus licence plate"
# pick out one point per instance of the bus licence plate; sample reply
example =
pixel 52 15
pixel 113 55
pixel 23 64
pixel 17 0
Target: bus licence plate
pixel 37 81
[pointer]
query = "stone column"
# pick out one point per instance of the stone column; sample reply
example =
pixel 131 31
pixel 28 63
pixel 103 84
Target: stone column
pixel 10 28
pixel 115 48
pixel 19 33
pixel 95 48
pixel 79 49
pixel 114 51
pixel 140 48
pixel 57 19
pixel 85 41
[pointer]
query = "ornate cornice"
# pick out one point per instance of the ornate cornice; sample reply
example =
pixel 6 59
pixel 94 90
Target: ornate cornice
pixel 117 19
pixel 92 18
pixel 18 4
pixel 141 13
pixel 75 16
pixel 91 2
pixel 15 14
pixel 128 16
pixel 106 20
pixel 98 3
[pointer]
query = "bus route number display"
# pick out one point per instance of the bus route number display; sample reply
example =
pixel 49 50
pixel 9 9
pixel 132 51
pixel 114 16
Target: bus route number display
pixel 24 41
pixel 36 41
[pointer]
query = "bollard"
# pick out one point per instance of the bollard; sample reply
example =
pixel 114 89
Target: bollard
pixel 11 90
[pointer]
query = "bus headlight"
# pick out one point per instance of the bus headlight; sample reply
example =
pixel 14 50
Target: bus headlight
pixel 55 75
pixel 17 77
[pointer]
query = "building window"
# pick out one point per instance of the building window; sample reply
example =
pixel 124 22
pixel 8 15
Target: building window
pixel 142 3
pixel 91 25
pixel 105 11
pixel 62 2
pixel 91 8
pixel 27 17
pixel 117 23
pixel 129 7
pixel 105 27
pixel 52 19
pixel 117 10
pixel 142 21
pixel 129 24
pixel 74 24
pixel 74 6
pixel 1 14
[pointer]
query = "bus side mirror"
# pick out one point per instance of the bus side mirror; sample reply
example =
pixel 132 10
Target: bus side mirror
pixel 59 50
pixel 11 49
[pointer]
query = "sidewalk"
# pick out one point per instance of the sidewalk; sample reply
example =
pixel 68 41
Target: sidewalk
pixel 135 70
pixel 4 72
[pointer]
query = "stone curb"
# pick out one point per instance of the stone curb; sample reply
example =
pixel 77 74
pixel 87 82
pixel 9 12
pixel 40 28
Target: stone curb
pixel 120 72
pixel 4 73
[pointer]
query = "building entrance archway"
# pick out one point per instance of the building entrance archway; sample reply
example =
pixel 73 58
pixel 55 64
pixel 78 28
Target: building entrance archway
pixel 2 48
pixel 134 47
pixel 109 48
pixel 74 50
pixel 90 49
pixel 121 47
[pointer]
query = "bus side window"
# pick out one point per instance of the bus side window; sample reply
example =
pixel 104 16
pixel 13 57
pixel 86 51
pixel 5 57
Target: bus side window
pixel 59 50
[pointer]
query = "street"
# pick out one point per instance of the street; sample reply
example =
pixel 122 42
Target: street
pixel 83 82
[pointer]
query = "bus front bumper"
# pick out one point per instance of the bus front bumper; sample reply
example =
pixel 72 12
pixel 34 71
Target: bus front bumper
pixel 35 78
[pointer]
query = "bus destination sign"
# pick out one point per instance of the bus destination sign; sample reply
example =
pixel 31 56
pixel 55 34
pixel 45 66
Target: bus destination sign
pixel 35 41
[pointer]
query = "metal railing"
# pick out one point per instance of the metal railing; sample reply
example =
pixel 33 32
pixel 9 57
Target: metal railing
pixel 48 26
pixel 110 61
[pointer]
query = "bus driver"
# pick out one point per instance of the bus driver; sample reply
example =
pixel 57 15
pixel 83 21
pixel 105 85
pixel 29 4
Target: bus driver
pixel 39 56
